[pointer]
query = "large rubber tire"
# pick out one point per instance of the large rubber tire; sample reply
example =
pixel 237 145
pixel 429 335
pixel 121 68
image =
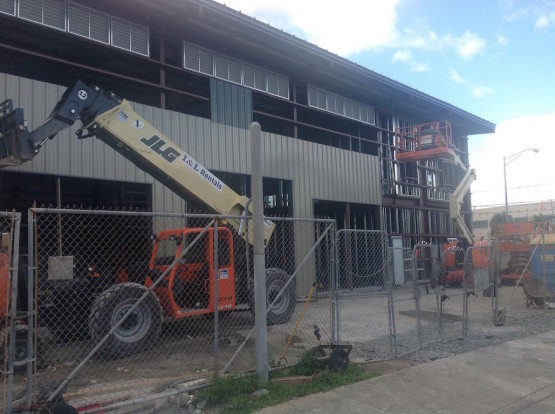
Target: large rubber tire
pixel 20 357
pixel 138 332
pixel 285 306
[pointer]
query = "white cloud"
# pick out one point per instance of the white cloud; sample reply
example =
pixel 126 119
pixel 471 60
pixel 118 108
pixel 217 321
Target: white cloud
pixel 345 28
pixel 355 26
pixel 545 21
pixel 406 57
pixel 542 13
pixel 476 90
pixel 456 77
pixel 420 67
pixel 542 22
pixel 480 91
pixel 528 175
pixel 402 56
pixel 467 45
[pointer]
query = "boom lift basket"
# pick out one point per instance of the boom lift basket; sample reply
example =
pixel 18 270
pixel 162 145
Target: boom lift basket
pixel 424 141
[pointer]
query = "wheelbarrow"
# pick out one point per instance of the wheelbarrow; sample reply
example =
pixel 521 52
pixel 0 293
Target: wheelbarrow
pixel 537 293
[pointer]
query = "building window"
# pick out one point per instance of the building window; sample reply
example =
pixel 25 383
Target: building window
pixel 480 224
pixel 339 105
pixel 7 7
pixel 129 36
pixel 88 23
pixel 50 13
pixel 205 61
pixel 81 21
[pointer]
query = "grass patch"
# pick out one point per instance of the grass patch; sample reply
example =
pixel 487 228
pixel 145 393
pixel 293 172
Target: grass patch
pixel 234 394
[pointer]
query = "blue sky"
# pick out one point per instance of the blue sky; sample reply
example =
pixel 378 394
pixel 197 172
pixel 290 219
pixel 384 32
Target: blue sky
pixel 492 58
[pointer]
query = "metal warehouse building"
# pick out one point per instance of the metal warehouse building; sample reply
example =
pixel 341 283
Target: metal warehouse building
pixel 201 73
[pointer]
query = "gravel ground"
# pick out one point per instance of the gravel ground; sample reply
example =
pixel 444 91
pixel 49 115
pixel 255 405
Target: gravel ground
pixel 487 336
pixel 434 348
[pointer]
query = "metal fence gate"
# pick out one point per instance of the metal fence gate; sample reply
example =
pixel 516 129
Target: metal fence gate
pixel 480 278
pixel 13 332
pixel 128 303
pixel 427 305
pixel 404 294
pixel 363 294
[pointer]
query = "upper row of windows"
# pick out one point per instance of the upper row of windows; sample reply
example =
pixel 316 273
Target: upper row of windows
pixel 205 61
pixel 101 27
pixel 81 21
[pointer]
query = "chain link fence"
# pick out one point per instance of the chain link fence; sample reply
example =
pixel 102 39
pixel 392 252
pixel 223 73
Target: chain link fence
pixel 404 293
pixel 362 292
pixel 526 278
pixel 131 303
pixel 480 280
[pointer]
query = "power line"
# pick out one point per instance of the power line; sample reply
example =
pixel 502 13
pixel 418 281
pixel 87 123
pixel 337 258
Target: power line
pixel 548 205
pixel 513 188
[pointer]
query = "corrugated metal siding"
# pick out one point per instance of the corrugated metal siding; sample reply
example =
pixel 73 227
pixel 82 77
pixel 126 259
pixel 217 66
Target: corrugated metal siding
pixel 230 104
pixel 317 171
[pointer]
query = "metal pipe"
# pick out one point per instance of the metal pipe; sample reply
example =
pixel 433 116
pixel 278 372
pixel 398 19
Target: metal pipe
pixel 176 215
pixel 14 266
pixel 467 264
pixel 216 299
pixel 31 268
pixel 507 160
pixel 416 296
pixel 505 183
pixel 259 259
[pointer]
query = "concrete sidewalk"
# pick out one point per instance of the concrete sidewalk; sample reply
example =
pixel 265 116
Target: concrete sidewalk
pixel 514 377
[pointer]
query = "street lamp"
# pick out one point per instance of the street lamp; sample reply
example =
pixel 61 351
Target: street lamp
pixel 507 160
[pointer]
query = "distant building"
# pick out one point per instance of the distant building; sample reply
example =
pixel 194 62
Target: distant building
pixel 481 217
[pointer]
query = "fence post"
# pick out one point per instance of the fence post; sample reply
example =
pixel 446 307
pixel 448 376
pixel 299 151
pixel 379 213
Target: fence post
pixel 330 243
pixel 496 278
pixel 336 283
pixel 31 232
pixel 396 274
pixel 390 281
pixel 14 265
pixel 467 268
pixel 417 294
pixel 216 299
pixel 259 259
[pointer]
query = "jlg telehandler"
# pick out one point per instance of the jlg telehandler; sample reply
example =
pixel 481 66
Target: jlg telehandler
pixel 189 288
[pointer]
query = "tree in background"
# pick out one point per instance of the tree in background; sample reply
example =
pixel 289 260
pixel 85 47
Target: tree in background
pixel 498 218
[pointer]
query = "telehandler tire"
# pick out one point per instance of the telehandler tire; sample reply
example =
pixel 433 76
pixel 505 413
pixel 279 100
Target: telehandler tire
pixel 138 332
pixel 285 306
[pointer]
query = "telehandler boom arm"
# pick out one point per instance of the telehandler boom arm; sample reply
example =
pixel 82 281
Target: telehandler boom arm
pixel 113 121
pixel 455 204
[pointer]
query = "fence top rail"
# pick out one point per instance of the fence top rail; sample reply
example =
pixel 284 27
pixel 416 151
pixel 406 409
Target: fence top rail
pixel 48 210
pixel 13 214
pixel 360 231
